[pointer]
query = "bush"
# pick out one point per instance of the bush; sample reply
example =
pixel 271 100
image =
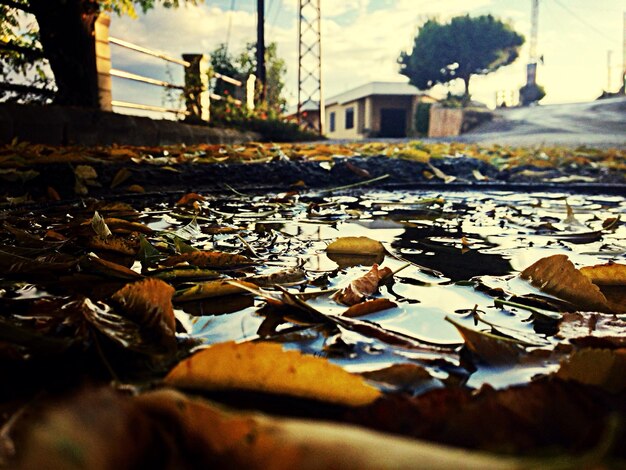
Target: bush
pixel 422 118
pixel 529 94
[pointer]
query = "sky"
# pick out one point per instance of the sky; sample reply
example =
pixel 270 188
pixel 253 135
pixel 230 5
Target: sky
pixel 362 39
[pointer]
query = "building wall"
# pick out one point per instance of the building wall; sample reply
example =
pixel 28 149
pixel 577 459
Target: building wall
pixel 340 131
pixel 367 115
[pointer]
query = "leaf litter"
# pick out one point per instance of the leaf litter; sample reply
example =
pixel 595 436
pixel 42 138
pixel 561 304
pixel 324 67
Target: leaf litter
pixel 384 308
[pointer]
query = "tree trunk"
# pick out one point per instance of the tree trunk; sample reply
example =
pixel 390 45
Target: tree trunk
pixel 466 95
pixel 66 29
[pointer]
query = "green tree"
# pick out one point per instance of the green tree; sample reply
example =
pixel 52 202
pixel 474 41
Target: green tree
pixel 244 64
pixel 465 46
pixel 64 35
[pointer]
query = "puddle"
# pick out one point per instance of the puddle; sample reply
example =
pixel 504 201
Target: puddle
pixel 452 240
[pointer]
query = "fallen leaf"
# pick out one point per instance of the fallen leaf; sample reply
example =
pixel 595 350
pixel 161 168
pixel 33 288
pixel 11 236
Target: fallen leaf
pixel 210 289
pixel 122 175
pixel 135 188
pixel 490 348
pixel 478 176
pixel 558 276
pixel 125 226
pixel 401 377
pixel 189 198
pixel 593 330
pixel 266 367
pixel 610 274
pixel 52 193
pixel 209 259
pixel 356 245
pixel 362 287
pixel 369 306
pixel 99 226
pixel 289 276
pixel 149 303
pixel 114 244
pixel 604 368
pixel 184 273
pixel 101 266
pixel 440 174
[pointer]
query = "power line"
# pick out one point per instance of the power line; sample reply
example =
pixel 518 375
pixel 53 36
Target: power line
pixel 230 22
pixel 585 22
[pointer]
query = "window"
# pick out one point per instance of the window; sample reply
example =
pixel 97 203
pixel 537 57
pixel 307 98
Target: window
pixel 350 118
pixel 332 122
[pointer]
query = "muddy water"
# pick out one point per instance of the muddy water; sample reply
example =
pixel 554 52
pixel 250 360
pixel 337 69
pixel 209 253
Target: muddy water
pixel 450 246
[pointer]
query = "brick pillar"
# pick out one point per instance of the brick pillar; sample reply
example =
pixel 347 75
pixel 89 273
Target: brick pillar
pixel 103 61
pixel 197 97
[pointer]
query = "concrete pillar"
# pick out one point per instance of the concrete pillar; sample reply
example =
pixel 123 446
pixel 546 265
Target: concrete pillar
pixel 103 61
pixel 250 88
pixel 197 97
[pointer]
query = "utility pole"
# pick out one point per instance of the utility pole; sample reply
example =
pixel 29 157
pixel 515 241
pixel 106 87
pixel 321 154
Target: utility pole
pixel 531 68
pixel 310 59
pixel 260 48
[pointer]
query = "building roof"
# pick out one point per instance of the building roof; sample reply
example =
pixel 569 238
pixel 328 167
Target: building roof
pixel 374 88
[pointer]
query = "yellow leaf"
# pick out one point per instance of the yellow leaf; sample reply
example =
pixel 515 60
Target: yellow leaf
pixel 558 276
pixel 210 289
pixel 610 274
pixel 356 245
pixel 266 367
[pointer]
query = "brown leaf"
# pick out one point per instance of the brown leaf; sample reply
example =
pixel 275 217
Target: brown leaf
pixel 122 175
pixel 369 306
pixel 149 303
pixel 114 244
pixel 189 198
pixel 52 193
pixel 605 368
pixel 609 274
pixel 125 226
pixel 362 287
pixel 135 188
pixel 558 276
pixel 266 367
pixel 209 259
pixel 102 266
pixel 404 376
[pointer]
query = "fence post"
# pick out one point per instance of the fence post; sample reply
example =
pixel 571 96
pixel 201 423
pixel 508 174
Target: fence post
pixel 250 89
pixel 197 97
pixel 103 61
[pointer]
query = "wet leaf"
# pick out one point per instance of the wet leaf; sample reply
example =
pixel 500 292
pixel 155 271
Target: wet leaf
pixel 189 198
pixel 558 276
pixel 114 244
pixel 268 368
pixel 610 274
pixel 148 254
pixel 369 306
pixel 12 175
pixel 100 227
pixel 210 289
pixel 101 266
pixel 605 368
pixel 209 259
pixel 126 226
pixel 356 246
pixel 120 177
pixel 136 188
pixel 491 348
pixel 184 273
pixel 362 287
pixel 183 247
pixel 191 231
pixel 289 276
pixel 149 303
pixel 401 377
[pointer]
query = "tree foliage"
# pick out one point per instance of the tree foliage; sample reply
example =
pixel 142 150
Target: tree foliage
pixel 466 46
pixel 59 43
pixel 242 65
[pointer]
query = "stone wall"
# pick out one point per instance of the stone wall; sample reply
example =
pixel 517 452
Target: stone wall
pixel 78 126
pixel 450 122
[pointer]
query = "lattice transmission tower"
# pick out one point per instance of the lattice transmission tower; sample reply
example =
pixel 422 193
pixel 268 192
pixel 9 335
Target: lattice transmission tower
pixel 310 92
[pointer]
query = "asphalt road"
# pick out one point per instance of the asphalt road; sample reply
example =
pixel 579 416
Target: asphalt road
pixel 598 124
